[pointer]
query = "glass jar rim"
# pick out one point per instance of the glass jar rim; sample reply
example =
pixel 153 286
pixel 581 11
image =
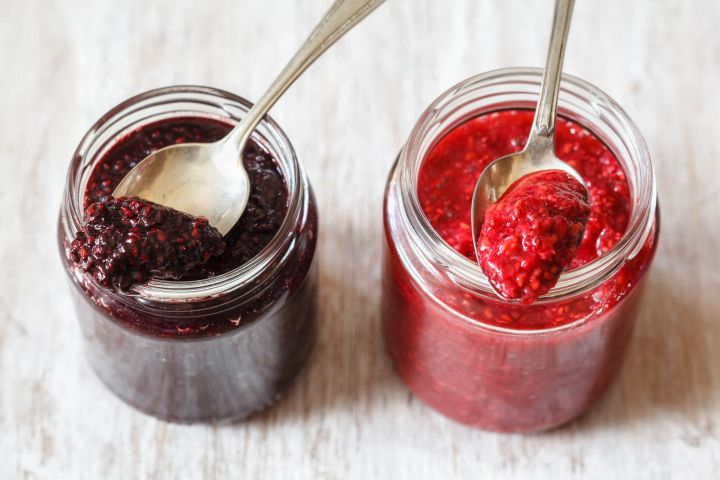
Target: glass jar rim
pixel 425 134
pixel 230 108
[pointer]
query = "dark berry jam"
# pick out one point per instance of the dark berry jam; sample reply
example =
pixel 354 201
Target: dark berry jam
pixel 484 361
pixel 532 233
pixel 126 241
pixel 203 349
pixel 266 206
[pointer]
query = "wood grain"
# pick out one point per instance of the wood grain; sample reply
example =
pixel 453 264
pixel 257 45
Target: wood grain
pixel 348 416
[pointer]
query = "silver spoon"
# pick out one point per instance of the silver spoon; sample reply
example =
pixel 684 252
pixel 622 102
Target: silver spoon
pixel 209 179
pixel 539 152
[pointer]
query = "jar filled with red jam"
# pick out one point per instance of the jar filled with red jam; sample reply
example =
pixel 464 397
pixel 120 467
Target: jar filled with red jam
pixel 470 354
pixel 226 336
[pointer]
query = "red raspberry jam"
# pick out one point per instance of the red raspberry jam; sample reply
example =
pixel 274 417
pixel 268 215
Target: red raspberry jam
pixel 450 171
pixel 531 234
pixel 237 322
pixel 483 361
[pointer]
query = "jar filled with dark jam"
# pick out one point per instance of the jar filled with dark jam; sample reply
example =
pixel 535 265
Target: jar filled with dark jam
pixel 226 337
pixel 476 357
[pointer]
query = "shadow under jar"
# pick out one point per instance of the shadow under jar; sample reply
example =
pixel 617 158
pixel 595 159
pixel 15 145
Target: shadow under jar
pixel 469 354
pixel 228 341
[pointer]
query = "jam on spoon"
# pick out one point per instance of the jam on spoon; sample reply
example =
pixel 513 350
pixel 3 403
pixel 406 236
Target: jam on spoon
pixel 126 241
pixel 532 233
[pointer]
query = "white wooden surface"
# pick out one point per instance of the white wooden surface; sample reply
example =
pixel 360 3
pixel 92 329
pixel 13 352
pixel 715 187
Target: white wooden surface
pixel 65 62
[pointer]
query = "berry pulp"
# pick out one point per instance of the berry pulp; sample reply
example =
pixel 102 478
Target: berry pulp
pixel 532 233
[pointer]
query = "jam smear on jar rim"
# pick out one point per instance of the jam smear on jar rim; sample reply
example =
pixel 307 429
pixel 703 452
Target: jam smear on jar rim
pixel 122 250
pixel 532 233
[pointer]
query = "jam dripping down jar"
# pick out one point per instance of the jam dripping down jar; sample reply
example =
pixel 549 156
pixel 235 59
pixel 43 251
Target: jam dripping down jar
pixel 496 364
pixel 215 348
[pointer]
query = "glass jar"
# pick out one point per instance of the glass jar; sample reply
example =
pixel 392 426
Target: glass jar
pixel 437 305
pixel 207 350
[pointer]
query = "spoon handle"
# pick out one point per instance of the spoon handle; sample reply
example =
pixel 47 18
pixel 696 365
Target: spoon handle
pixel 544 124
pixel 341 17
